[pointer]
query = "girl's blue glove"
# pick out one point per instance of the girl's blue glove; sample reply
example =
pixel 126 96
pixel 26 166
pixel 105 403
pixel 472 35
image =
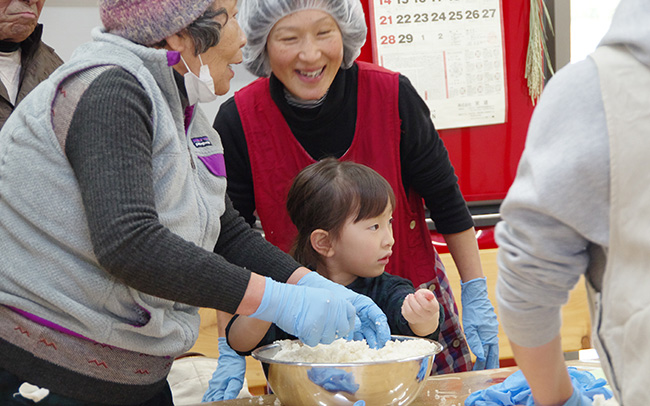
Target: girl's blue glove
pixel 372 324
pixel 314 315
pixel 480 323
pixel 228 379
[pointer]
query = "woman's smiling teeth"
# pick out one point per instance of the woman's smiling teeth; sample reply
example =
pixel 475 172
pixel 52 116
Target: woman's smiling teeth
pixel 311 74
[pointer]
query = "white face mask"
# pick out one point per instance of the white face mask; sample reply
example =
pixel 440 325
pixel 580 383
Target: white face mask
pixel 199 88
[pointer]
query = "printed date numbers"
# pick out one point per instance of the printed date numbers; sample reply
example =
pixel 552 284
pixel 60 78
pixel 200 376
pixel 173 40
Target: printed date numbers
pixel 396 39
pixel 416 18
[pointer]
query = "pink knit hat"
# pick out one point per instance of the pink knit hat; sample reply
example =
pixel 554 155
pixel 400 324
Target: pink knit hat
pixel 148 22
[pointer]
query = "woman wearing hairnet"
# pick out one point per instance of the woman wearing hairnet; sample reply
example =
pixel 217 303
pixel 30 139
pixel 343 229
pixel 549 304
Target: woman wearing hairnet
pixel 114 221
pixel 312 101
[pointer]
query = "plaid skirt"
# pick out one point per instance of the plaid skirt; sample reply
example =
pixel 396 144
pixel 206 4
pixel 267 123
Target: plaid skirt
pixel 455 354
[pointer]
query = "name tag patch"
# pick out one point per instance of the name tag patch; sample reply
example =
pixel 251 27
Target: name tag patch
pixel 201 142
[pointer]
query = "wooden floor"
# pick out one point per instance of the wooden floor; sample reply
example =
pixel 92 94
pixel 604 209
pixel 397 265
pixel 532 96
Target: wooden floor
pixel 576 325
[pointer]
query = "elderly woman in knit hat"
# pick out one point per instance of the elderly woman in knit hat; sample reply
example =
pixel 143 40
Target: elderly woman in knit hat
pixel 313 101
pixel 115 226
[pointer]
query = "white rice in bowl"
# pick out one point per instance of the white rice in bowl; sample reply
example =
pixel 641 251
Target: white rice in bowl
pixel 342 351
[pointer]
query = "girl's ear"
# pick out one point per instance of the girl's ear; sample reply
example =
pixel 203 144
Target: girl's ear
pixel 321 242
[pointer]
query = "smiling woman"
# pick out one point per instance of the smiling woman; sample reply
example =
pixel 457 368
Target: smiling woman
pixel 313 101
pixel 305 52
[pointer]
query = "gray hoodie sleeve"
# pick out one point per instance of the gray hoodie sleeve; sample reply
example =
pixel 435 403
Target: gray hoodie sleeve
pixel 557 206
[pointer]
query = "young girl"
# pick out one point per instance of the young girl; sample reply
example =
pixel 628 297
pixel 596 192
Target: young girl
pixel 343 213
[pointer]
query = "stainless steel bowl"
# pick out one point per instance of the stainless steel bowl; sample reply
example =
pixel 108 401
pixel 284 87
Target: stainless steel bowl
pixel 378 383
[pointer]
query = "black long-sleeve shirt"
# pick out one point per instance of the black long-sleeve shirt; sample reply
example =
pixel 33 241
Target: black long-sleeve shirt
pixel 329 130
pixel 109 147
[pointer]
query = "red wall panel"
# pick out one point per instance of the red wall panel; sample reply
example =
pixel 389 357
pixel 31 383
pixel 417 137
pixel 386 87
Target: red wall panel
pixel 486 157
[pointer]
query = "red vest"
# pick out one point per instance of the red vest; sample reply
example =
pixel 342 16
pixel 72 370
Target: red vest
pixel 276 158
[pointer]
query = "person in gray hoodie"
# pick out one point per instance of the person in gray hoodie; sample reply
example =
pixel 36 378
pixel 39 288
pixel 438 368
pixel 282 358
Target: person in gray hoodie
pixel 114 222
pixel 580 205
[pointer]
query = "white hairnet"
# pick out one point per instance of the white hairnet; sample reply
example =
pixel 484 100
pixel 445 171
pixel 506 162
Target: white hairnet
pixel 257 18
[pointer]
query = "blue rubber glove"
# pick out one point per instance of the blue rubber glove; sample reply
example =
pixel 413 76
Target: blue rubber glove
pixel 585 387
pixel 333 379
pixel 514 390
pixel 480 323
pixel 313 315
pixel 372 324
pixel 577 399
pixel 228 379
pixel 424 369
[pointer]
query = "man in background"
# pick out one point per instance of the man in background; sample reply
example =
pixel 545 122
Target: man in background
pixel 25 60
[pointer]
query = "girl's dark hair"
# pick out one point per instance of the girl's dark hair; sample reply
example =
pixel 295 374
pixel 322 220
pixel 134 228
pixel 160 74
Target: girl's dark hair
pixel 325 194
pixel 205 31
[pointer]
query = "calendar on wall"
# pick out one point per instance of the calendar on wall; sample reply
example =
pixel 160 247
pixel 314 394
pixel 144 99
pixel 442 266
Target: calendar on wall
pixel 452 51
